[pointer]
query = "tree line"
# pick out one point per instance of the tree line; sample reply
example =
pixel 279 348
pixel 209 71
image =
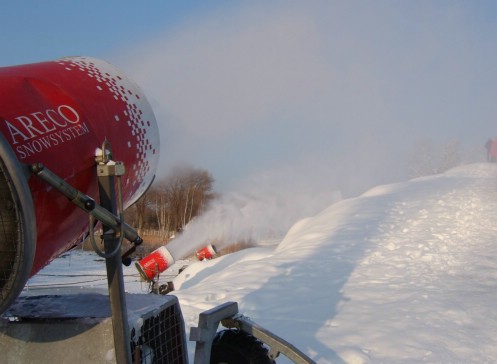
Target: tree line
pixel 173 201
pixel 429 158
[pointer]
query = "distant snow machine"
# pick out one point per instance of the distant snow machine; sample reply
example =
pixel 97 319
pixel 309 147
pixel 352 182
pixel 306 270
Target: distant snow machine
pixel 63 123
pixel 161 259
pixel 491 147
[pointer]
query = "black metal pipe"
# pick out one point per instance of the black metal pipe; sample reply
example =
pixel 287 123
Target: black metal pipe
pixel 84 202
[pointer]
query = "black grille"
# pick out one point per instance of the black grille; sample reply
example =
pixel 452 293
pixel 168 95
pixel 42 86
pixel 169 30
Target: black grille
pixel 10 233
pixel 161 338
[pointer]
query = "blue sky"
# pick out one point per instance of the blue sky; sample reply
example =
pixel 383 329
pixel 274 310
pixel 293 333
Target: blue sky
pixel 34 30
pixel 286 94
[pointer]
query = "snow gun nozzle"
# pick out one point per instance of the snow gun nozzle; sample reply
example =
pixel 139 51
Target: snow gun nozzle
pixel 155 263
pixel 207 252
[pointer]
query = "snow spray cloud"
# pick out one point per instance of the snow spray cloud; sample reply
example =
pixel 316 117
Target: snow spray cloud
pixel 247 218
pixel 343 87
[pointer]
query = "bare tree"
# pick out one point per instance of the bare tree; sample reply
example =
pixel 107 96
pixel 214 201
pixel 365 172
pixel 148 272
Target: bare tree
pixel 428 158
pixel 161 216
pixel 172 202
pixel 450 156
pixel 136 214
pixel 188 191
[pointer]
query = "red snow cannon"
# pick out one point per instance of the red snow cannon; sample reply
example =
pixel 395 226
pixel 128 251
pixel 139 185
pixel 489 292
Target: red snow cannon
pixel 206 253
pixel 59 114
pixel 154 263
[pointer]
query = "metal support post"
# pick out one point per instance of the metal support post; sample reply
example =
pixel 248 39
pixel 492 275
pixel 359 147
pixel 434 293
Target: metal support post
pixel 115 276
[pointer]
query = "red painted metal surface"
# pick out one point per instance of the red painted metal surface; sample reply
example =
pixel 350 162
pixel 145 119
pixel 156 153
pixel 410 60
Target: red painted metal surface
pixel 154 263
pixel 59 113
pixel 207 252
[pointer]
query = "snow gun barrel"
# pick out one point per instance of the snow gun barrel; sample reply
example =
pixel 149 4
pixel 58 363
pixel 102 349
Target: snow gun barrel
pixel 206 253
pixel 155 263
pixel 65 115
pixel 160 259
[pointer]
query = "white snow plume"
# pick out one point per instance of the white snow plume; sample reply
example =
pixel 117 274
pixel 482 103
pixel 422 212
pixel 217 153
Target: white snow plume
pixel 252 217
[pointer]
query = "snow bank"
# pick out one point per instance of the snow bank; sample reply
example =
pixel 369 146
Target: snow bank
pixel 403 274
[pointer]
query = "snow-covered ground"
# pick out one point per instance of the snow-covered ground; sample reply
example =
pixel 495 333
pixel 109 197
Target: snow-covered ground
pixel 405 273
